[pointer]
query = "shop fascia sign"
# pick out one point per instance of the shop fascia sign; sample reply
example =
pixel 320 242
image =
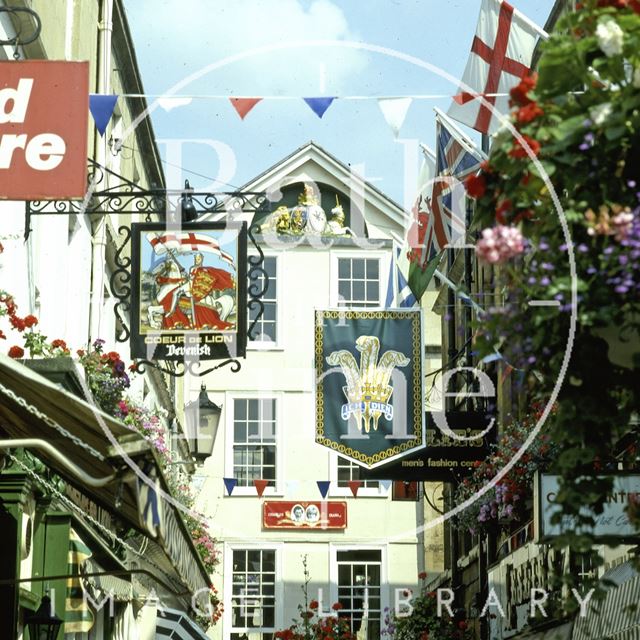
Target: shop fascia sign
pixel 44 111
pixel 520 581
pixel 454 448
pixel 612 523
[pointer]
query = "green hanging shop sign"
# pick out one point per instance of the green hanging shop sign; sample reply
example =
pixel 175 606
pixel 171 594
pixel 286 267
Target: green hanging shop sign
pixel 369 392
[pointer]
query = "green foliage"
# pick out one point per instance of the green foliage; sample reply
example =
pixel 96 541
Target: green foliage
pixel 582 222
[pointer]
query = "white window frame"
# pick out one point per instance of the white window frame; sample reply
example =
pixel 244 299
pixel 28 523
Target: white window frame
pixel 384 582
pixel 344 492
pixel 257 345
pixel 384 260
pixel 228 550
pixel 278 396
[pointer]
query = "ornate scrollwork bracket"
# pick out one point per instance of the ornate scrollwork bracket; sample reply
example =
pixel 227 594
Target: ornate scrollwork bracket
pixel 130 200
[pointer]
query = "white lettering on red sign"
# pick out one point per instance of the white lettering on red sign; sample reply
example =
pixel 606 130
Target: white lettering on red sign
pixel 44 151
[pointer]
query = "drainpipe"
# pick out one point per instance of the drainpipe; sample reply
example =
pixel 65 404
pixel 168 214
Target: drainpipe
pixel 99 240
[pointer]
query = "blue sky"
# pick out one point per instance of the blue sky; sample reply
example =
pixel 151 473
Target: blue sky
pixel 177 40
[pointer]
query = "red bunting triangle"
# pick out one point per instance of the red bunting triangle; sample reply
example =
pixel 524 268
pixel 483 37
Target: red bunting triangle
pixel 260 486
pixel 243 105
pixel 354 485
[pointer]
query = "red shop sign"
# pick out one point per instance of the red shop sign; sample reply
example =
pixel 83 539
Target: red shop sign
pixel 44 111
pixel 278 514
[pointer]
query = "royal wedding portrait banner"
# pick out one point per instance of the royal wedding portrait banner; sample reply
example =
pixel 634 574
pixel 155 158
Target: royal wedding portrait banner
pixel 369 392
pixel 189 291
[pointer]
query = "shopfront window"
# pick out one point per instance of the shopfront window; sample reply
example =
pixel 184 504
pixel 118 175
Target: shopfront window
pixel 359 582
pixel 253 599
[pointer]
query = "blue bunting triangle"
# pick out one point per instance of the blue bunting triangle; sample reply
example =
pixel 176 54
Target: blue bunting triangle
pixel 230 484
pixel 323 485
pixel 319 105
pixel 101 107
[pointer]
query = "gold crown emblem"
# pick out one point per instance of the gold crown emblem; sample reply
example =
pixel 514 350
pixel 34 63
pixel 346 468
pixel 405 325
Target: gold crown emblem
pixel 368 389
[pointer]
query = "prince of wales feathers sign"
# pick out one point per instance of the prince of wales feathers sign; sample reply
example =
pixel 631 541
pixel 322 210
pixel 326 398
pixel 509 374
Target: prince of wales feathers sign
pixel 369 400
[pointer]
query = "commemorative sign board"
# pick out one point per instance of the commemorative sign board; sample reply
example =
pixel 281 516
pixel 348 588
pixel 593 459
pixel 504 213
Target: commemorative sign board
pixel 280 514
pixel 369 395
pixel 613 522
pixel 189 291
pixel 44 111
pixel 444 458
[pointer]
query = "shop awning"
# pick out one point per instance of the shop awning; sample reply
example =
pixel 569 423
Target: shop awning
pixel 177 626
pixel 121 590
pixel 33 407
pixel 617 617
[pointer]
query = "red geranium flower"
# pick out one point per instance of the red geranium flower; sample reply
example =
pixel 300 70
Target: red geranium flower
pixel 529 112
pixel 422 575
pixel 336 606
pixel 313 605
pixel 519 151
pixel 16 352
pixel 476 185
pixel 2 336
pixel 503 207
pixel 30 321
pixel 462 625
pixel 17 323
pixel 60 344
pixel 520 91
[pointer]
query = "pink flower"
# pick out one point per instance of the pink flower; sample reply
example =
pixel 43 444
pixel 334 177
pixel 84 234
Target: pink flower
pixel 622 224
pixel 499 244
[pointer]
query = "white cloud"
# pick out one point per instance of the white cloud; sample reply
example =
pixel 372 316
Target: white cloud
pixel 176 42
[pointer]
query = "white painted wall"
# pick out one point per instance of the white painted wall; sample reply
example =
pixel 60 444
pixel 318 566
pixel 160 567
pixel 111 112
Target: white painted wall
pixel 287 372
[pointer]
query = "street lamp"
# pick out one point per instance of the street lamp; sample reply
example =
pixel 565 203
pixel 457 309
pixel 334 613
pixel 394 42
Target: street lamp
pixel 203 417
pixel 44 624
pixel 187 207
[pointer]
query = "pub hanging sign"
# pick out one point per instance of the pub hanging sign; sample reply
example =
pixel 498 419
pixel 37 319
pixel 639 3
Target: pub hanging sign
pixel 369 400
pixel 189 291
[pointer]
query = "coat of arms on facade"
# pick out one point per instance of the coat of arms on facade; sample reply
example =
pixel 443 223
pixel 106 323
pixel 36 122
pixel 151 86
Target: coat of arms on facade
pixel 308 217
pixel 368 387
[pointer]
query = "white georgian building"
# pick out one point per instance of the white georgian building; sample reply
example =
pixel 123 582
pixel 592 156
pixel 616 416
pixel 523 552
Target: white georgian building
pixel 267 425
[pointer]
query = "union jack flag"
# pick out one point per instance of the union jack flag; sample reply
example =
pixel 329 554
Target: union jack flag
pixel 456 158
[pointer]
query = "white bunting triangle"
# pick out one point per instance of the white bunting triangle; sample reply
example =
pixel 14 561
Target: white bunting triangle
pixel 171 102
pixel 394 111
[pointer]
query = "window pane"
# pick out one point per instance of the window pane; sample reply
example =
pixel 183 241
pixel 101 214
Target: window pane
pixel 254 448
pixel 239 431
pixel 240 409
pixel 373 291
pixel 358 290
pixel 372 269
pixel 344 268
pixel 265 328
pixel 357 267
pixel 344 289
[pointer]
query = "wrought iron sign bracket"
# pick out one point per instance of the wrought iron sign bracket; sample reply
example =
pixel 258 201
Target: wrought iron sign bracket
pixel 148 205
pixel 19 40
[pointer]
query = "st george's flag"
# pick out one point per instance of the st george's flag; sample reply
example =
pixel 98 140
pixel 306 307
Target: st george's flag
pixel 501 54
